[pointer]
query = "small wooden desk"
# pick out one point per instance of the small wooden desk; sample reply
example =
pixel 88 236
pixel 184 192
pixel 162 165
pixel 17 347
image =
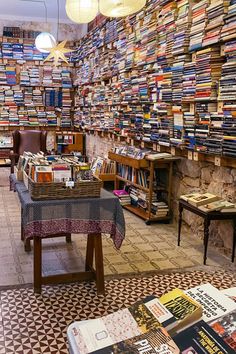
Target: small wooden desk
pixel 208 217
pixel 91 216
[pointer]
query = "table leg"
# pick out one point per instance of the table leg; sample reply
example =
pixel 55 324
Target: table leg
pixel 27 245
pixel 180 222
pixel 68 238
pixel 99 264
pixel 89 252
pixel 234 240
pixel 206 238
pixel 37 265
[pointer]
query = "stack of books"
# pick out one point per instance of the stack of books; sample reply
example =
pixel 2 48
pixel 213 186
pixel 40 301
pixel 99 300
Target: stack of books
pixel 191 321
pixel 228 30
pixel 197 31
pixel 123 196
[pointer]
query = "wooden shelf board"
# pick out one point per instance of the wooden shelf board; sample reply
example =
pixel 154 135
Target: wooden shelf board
pixel 144 214
pixel 132 183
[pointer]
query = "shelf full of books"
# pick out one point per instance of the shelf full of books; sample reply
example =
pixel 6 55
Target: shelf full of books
pixel 33 95
pixel 143 182
pixel 163 75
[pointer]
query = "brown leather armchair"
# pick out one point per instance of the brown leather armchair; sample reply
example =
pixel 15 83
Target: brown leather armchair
pixel 27 140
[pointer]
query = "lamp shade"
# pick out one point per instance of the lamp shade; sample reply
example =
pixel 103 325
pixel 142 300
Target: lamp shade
pixel 45 40
pixel 81 11
pixel 120 8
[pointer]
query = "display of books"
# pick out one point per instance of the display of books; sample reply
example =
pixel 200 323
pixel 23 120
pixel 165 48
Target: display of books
pixel 217 205
pixel 152 325
pixel 198 199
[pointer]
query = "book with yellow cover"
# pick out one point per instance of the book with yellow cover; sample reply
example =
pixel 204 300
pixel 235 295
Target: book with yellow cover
pixel 185 310
pixel 198 199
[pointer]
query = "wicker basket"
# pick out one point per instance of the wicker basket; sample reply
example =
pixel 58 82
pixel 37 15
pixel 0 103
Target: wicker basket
pixel 58 190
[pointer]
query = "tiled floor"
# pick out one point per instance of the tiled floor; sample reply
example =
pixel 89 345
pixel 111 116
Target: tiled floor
pixel 146 249
pixel 35 324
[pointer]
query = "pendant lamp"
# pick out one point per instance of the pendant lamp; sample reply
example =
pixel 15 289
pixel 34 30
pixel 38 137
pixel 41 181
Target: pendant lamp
pixel 120 8
pixel 45 40
pixel 82 11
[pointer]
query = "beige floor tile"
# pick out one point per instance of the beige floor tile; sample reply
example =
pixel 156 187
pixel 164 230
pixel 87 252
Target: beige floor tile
pixel 114 259
pixel 166 264
pixel 137 239
pixel 144 247
pixel 154 255
pixel 164 246
pixel 173 253
pixel 145 266
pixel 123 268
pixel 136 257
pixel 183 262
pixel 154 238
pixel 129 248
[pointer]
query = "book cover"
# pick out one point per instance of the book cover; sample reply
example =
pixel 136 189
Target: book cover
pixel 155 341
pixel 217 205
pixel 120 192
pixel 200 338
pixel 144 316
pixel 225 326
pixel 214 303
pixel 200 199
pixel 185 310
pixel 230 292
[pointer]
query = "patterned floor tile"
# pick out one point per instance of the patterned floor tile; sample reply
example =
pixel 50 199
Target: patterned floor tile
pixel 33 323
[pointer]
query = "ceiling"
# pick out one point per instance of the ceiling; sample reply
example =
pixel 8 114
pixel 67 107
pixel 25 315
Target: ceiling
pixel 33 10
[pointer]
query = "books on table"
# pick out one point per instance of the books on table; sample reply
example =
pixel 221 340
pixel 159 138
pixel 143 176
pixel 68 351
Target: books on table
pixel 172 324
pixel 184 309
pixel 217 205
pixel 198 199
pixel 214 303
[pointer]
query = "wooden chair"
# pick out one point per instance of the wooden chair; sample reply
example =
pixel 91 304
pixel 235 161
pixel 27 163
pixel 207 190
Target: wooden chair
pixel 27 140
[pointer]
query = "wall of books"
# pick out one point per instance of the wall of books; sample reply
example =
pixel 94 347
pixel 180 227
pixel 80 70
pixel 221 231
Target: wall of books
pixel 165 75
pixel 30 91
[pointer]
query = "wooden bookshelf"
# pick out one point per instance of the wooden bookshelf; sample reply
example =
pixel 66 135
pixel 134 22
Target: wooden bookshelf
pixel 151 167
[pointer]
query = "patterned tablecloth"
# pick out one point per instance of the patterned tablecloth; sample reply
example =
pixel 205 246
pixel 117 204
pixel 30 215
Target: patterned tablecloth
pixel 81 215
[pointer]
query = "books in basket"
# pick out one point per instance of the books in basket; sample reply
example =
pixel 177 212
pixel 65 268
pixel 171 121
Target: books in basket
pixel 198 199
pixel 214 303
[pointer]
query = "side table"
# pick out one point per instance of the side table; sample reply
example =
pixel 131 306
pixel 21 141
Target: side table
pixel 208 217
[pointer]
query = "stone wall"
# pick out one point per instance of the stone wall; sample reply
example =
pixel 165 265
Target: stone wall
pixel 190 176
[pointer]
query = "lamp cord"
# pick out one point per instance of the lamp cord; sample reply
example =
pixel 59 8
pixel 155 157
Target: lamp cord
pixel 58 16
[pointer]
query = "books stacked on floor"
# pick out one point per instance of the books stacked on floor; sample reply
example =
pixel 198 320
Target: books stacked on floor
pixel 160 209
pixel 123 196
pixel 191 321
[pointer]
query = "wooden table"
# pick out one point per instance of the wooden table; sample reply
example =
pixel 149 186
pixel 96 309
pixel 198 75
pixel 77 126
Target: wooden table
pixel 91 216
pixel 208 217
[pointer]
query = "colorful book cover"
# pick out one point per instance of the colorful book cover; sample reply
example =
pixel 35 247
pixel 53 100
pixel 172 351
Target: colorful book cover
pixel 185 310
pixel 120 192
pixel 155 341
pixel 214 303
pixel 200 338
pixel 225 326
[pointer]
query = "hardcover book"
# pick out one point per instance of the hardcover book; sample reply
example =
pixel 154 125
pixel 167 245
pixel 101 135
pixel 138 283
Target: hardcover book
pixel 200 338
pixel 185 310
pixel 214 303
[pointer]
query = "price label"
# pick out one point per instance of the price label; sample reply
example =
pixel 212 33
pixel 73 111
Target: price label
pixel 142 144
pixel 190 155
pixel 132 142
pixel 172 150
pixel 158 148
pixel 70 184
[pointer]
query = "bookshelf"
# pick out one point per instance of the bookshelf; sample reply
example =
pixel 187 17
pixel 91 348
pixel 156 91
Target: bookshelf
pixel 163 76
pixel 148 182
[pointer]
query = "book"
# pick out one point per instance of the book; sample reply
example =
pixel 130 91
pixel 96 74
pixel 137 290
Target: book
pixel 185 310
pixel 155 341
pixel 198 199
pixel 214 303
pixel 230 292
pixel 200 338
pixel 144 316
pixel 217 205
pixel 225 326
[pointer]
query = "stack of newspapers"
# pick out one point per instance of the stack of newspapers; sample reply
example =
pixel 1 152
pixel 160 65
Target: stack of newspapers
pixel 201 320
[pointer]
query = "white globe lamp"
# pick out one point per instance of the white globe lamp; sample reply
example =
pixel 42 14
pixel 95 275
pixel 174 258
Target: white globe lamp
pixel 45 40
pixel 81 11
pixel 120 8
